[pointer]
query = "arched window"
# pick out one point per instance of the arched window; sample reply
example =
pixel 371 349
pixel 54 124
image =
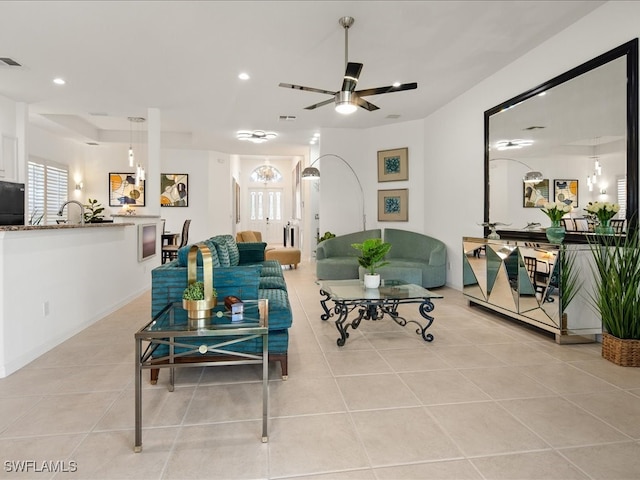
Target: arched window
pixel 266 174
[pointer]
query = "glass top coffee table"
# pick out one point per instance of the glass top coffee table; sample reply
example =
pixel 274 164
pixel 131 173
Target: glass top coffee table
pixel 374 304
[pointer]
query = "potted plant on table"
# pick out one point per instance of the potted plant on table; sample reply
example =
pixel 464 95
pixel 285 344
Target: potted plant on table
pixel 616 296
pixel 196 304
pixel 555 211
pixel 372 253
pixel 603 212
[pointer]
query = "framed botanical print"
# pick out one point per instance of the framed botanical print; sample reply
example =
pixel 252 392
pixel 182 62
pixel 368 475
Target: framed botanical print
pixel 393 165
pixel 393 205
pixel 123 190
pixel 566 191
pixel 535 195
pixel 174 190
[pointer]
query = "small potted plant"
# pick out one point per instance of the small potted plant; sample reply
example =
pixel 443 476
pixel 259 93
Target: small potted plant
pixel 372 253
pixel 603 212
pixel 195 303
pixel 93 211
pixel 555 211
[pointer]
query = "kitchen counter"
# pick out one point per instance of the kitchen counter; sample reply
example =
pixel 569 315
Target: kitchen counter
pixel 61 226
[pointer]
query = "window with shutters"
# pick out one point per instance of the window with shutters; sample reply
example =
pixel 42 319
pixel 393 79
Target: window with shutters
pixel 47 190
pixel 622 196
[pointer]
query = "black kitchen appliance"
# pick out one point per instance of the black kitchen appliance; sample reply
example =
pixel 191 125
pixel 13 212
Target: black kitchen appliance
pixel 11 203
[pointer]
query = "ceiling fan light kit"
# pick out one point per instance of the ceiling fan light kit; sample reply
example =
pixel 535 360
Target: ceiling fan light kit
pixel 348 99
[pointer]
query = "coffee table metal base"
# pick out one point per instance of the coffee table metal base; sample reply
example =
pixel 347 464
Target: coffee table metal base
pixel 374 310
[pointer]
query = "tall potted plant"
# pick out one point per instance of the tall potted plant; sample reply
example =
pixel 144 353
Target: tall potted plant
pixel 372 253
pixel 616 296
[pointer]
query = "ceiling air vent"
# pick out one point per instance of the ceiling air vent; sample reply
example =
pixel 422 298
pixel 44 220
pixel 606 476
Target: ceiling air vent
pixel 9 61
pixel 533 127
pixel 393 116
pixel 93 144
pixel 287 118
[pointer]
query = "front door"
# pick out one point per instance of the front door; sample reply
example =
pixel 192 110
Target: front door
pixel 265 213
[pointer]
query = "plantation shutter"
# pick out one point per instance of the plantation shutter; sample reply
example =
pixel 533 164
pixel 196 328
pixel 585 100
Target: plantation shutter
pixel 622 197
pixel 48 188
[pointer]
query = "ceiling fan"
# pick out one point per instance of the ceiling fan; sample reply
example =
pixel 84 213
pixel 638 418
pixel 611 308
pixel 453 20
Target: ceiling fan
pixel 348 99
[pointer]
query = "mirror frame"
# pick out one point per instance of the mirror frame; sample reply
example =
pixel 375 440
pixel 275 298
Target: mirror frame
pixel 628 50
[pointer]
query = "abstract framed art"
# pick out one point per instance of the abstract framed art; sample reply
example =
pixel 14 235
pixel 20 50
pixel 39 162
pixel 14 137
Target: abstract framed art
pixel 174 190
pixel 393 205
pixel 566 191
pixel 124 191
pixel 393 165
pixel 535 195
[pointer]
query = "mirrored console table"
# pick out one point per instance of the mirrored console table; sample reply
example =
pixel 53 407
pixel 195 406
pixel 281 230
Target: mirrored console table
pixel 530 281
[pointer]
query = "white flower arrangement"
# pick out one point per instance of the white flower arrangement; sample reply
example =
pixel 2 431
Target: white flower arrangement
pixel 556 210
pixel 603 211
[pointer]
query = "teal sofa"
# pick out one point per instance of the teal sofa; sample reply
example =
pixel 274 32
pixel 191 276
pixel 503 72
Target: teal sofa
pixel 239 269
pixel 414 257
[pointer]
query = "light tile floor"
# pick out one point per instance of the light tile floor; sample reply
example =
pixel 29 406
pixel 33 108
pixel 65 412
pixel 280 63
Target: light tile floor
pixel 487 399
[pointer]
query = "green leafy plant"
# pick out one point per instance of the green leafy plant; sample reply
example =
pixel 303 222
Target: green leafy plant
pixel 570 279
pixel 35 219
pixel 326 236
pixel 195 291
pixel 93 211
pixel 616 294
pixel 372 253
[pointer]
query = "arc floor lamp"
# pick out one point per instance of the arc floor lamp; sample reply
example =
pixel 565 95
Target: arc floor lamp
pixel 312 173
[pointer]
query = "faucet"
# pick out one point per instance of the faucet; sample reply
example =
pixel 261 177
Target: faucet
pixel 77 203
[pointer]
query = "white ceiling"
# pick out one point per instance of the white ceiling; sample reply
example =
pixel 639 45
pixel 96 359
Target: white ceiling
pixel 184 57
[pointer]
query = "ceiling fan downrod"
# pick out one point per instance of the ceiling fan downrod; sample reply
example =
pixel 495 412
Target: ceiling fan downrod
pixel 346 22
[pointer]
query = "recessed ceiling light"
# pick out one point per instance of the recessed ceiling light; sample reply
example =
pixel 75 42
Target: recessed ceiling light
pixel 59 81
pixel 316 135
pixel 244 76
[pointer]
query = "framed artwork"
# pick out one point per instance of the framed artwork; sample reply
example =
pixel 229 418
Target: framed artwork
pixel 174 190
pixel 393 165
pixel 535 195
pixel 124 191
pixel 566 191
pixel 393 205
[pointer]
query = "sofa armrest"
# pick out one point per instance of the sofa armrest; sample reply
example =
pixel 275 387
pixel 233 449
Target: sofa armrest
pixel 320 251
pixel 251 252
pixel 438 255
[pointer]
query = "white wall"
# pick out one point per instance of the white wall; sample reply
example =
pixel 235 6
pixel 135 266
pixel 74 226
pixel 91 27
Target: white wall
pixel 454 134
pixel 56 282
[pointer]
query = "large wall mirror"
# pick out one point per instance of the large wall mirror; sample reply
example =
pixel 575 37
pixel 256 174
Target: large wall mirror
pixel 580 130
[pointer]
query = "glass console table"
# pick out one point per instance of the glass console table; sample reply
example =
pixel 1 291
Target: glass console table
pixel 374 304
pixel 175 341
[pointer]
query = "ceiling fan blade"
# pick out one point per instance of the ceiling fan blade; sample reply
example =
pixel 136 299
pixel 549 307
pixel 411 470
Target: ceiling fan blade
pixel 306 89
pixel 389 89
pixel 321 104
pixel 366 105
pixel 351 75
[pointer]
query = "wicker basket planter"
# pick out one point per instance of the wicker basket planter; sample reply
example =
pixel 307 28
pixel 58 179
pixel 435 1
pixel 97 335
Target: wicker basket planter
pixel 625 353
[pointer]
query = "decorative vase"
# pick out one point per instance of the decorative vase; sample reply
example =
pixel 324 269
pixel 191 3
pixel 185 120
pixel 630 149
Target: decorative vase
pixel 371 280
pixel 605 228
pixel 625 353
pixel 200 309
pixel 555 233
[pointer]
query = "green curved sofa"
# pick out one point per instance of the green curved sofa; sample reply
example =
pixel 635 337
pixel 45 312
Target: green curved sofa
pixel 414 257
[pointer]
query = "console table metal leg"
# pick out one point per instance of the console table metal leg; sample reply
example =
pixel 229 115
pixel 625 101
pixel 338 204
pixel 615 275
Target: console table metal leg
pixel 137 448
pixel 265 387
